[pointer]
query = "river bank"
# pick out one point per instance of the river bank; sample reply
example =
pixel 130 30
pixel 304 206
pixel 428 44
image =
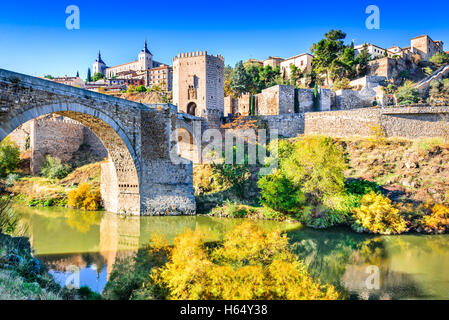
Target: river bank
pixel 408 180
pixel 23 277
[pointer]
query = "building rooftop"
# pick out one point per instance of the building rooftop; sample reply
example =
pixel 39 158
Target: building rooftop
pixel 299 55
pixel 123 64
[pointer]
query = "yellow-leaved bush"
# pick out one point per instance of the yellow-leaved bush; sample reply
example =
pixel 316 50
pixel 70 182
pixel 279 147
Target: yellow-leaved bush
pixel 378 215
pixel 250 264
pixel 84 198
pixel 438 219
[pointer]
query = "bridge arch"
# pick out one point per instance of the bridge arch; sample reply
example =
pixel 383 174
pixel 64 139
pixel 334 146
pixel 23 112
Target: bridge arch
pixel 120 187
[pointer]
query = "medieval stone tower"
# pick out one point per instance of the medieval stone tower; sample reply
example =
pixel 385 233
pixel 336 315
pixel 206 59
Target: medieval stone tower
pixel 198 84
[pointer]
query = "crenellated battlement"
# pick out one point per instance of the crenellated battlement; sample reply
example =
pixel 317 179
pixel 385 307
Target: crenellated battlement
pixel 196 54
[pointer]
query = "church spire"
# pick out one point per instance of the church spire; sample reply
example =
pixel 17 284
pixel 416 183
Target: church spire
pixel 145 47
pixel 99 57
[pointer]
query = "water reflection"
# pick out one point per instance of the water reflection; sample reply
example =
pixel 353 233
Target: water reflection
pixel 81 248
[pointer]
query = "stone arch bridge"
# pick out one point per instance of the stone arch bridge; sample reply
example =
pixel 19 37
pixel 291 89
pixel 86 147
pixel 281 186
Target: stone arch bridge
pixel 139 176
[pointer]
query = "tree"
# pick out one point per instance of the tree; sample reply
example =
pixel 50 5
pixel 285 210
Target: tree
pixel 295 75
pixel 317 167
pixel 253 71
pixel 141 88
pixel 89 76
pixel 48 76
pixel 77 74
pixel 440 58
pixel 349 60
pixel 98 76
pixel 326 51
pixel 227 81
pixel 268 75
pixel 9 157
pixel 362 60
pixel 342 83
pixel 407 94
pixel 240 81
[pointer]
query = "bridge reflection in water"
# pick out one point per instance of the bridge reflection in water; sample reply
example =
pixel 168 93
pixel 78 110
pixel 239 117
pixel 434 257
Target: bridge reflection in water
pixel 80 248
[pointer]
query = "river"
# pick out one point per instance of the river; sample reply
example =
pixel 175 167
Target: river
pixel 80 249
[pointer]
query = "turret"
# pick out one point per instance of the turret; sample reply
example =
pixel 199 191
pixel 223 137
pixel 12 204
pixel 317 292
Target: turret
pixel 145 58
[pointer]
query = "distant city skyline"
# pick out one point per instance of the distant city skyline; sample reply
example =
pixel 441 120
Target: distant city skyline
pixel 35 41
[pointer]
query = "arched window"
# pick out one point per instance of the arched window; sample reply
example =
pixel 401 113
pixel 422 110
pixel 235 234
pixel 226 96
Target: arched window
pixel 191 108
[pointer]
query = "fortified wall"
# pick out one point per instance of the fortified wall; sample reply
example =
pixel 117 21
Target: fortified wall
pixel 410 122
pixel 57 136
pixel 278 100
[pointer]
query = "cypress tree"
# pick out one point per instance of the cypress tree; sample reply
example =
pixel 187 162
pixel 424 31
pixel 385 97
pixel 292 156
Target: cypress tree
pixel 316 98
pixel 89 76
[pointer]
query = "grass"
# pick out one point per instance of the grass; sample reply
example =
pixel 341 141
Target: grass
pixel 41 191
pixel 427 144
pixel 13 287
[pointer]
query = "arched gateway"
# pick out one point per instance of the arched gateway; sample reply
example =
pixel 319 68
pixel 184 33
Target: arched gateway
pixel 139 177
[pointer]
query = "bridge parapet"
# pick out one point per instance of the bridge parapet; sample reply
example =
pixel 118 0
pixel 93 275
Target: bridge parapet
pixel 139 177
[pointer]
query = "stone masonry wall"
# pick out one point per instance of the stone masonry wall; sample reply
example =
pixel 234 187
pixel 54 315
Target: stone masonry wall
pixel 19 135
pixel 56 136
pixel 406 122
pixel 59 138
pixel 288 125
pixel 350 99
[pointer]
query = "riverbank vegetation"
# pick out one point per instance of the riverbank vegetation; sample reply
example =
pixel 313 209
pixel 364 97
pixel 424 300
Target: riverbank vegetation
pixel 250 263
pixel 55 185
pixel 377 185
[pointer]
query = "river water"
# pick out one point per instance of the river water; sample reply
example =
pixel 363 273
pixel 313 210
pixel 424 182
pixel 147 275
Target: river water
pixel 80 249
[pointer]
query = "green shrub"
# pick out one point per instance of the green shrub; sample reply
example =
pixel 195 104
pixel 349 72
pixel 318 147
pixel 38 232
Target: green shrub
pixel 439 90
pixel 11 179
pixel 271 214
pixel 234 176
pixel 440 58
pixel 141 88
pixel 234 210
pixel 407 94
pixel 278 193
pixel 53 168
pixel 9 157
pixel 317 167
pixel 361 187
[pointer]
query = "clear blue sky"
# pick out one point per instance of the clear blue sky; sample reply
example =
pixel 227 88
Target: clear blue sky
pixel 34 40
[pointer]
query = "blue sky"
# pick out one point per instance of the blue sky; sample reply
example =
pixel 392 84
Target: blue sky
pixel 34 40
